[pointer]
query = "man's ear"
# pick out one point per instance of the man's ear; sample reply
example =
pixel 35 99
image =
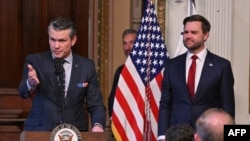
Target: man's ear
pixel 73 40
pixel 196 137
pixel 206 35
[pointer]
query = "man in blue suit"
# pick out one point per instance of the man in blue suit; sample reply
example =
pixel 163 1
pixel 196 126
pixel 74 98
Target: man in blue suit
pixel 128 39
pixel 213 82
pixel 53 104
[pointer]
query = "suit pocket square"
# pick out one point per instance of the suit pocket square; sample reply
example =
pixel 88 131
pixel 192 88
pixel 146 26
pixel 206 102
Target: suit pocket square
pixel 82 85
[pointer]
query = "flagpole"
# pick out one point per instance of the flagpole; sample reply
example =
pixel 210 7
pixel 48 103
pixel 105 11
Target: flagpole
pixel 147 121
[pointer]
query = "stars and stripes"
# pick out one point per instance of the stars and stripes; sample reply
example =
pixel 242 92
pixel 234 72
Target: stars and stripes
pixel 136 104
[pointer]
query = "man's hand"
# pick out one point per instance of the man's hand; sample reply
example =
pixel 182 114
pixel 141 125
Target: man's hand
pixel 97 128
pixel 32 77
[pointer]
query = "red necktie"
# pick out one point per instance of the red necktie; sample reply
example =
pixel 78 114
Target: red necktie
pixel 191 76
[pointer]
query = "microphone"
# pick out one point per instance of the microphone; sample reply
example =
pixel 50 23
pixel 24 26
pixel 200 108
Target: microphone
pixel 59 71
pixel 58 63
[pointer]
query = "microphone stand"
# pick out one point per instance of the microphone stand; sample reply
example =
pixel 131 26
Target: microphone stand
pixel 60 72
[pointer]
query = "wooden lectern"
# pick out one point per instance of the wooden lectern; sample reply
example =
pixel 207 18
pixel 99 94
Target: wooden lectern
pixel 45 136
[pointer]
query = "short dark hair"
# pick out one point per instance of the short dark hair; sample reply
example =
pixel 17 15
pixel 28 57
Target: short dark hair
pixel 204 22
pixel 62 23
pixel 180 132
pixel 128 31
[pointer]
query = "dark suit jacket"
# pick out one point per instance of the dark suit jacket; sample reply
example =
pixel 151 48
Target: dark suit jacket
pixel 215 89
pixel 47 105
pixel 112 93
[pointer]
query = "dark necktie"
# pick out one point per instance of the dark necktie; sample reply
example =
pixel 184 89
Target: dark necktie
pixel 62 78
pixel 60 72
pixel 191 76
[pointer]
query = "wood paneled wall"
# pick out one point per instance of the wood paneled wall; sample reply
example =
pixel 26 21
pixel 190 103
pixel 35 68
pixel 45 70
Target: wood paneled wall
pixel 23 26
pixel 23 30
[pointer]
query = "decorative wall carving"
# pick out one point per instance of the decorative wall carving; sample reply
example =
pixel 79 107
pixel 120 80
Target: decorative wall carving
pixel 99 43
pixel 161 10
pixel 103 36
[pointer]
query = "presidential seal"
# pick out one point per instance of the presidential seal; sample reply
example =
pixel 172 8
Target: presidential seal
pixel 65 132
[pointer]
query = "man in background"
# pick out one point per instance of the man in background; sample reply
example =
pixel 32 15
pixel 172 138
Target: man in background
pixel 180 132
pixel 210 125
pixel 128 40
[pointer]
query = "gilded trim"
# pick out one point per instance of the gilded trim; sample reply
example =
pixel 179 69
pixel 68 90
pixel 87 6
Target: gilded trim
pixel 161 8
pixel 102 46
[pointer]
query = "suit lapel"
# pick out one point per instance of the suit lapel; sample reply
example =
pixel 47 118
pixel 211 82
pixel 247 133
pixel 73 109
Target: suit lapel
pixel 47 77
pixel 51 78
pixel 206 74
pixel 182 72
pixel 50 73
pixel 74 78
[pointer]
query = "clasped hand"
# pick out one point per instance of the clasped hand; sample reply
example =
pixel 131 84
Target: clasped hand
pixel 97 128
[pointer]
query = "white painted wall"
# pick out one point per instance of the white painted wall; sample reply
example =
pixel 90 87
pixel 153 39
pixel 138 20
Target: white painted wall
pixel 240 58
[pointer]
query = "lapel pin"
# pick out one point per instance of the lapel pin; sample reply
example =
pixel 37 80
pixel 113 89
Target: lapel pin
pixel 210 64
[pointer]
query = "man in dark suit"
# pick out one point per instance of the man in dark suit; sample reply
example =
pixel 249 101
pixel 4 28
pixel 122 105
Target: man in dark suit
pixel 213 82
pixel 128 39
pixel 54 102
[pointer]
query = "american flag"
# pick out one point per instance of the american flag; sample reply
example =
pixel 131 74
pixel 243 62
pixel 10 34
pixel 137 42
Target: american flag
pixel 136 104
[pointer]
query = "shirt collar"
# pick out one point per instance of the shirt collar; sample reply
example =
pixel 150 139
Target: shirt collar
pixel 201 55
pixel 67 59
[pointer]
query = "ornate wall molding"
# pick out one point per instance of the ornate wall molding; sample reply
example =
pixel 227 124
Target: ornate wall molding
pixel 103 36
pixel 137 9
pixel 161 14
pixel 99 42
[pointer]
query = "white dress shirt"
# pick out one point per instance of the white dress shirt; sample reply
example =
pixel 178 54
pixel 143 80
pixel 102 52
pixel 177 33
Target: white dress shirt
pixel 67 67
pixel 199 65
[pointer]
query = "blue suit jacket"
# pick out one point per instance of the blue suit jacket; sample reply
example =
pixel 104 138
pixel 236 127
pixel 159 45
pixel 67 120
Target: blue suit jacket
pixel 47 105
pixel 215 89
pixel 113 90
